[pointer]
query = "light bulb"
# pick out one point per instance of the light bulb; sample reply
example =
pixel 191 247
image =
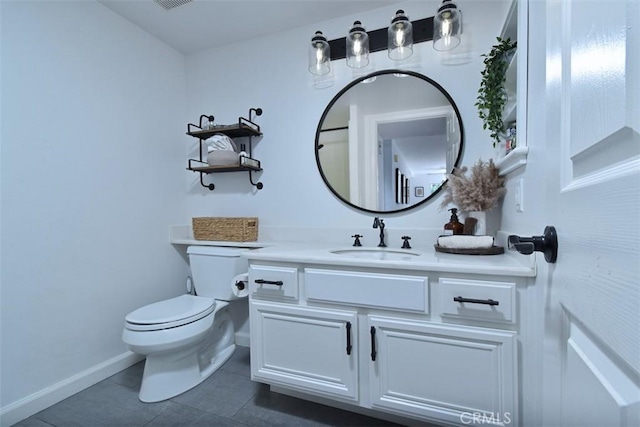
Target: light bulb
pixel 319 55
pixel 400 37
pixel 357 46
pixel 447 26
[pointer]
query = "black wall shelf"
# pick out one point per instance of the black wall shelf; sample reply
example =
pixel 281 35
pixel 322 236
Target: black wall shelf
pixel 243 128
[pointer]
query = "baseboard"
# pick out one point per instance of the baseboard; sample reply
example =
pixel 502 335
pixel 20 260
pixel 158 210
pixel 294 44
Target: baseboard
pixel 36 402
pixel 242 339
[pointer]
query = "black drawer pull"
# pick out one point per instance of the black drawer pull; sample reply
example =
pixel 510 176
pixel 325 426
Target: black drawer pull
pixel 373 343
pixel 348 338
pixel 476 301
pixel 269 282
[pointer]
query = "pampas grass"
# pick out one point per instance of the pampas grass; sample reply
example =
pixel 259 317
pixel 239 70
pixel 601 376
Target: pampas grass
pixel 480 191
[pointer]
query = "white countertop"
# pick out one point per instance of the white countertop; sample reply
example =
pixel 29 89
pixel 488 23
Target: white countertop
pixel 317 246
pixel 427 259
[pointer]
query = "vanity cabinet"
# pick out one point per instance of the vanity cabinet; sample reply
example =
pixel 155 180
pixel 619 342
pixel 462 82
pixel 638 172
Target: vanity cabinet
pixel 388 342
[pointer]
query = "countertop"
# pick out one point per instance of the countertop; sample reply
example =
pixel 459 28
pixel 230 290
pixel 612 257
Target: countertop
pixel 317 247
pixel 425 259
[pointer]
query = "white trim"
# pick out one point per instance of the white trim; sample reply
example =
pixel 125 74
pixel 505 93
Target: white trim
pixel 512 161
pixel 55 393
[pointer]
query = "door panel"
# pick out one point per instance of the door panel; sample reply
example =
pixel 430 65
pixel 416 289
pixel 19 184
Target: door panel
pixel 305 348
pixel 589 368
pixel 452 372
pixel 592 148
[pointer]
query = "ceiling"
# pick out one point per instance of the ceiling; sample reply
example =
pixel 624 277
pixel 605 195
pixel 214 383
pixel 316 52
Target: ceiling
pixel 202 24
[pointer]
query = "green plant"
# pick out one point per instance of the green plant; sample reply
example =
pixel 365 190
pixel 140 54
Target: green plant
pixel 492 96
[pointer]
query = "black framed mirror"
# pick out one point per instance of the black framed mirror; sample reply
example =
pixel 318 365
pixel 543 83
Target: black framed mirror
pixel 387 140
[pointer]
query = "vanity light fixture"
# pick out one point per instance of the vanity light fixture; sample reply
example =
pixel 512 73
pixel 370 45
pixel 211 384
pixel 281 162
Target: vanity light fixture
pixel 447 26
pixel 357 46
pixel 400 37
pixel 319 55
pixel 359 42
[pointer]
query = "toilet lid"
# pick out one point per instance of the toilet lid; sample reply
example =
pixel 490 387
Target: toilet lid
pixel 170 313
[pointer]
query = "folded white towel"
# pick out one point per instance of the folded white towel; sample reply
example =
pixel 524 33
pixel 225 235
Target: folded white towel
pixel 463 241
pixel 220 142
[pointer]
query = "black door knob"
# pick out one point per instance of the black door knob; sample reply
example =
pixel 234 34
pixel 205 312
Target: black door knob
pixel 547 244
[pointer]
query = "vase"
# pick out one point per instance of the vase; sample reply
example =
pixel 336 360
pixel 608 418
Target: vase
pixel 488 222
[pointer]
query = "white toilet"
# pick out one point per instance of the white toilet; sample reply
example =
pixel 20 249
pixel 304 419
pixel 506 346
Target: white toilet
pixel 187 338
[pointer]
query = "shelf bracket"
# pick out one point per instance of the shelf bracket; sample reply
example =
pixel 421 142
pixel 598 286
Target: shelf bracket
pixel 258 184
pixel 211 186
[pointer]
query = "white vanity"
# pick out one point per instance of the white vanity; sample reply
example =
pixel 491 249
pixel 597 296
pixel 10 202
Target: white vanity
pixel 422 335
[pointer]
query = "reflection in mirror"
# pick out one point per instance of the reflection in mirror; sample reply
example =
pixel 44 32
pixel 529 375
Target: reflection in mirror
pixel 386 142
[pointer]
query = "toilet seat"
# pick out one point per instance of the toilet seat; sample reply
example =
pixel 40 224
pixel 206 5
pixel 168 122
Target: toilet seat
pixel 170 313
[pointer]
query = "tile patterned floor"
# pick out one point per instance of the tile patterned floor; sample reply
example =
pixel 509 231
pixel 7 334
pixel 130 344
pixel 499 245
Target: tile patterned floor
pixel 227 398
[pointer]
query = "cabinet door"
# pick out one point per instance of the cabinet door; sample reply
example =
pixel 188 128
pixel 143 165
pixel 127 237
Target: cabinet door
pixel 452 373
pixel 305 348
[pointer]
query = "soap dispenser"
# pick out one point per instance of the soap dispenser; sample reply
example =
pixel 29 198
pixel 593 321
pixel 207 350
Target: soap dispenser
pixel 453 226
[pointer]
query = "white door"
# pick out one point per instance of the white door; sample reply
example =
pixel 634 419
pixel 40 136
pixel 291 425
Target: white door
pixel 591 365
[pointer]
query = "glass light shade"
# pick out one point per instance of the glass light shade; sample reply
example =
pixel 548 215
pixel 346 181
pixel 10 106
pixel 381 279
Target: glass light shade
pixel 447 26
pixel 400 37
pixel 319 55
pixel 357 46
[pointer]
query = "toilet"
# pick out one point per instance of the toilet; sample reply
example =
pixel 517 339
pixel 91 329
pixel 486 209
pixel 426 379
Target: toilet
pixel 187 338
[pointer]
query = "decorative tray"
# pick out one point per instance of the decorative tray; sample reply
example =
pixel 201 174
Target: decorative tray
pixel 494 250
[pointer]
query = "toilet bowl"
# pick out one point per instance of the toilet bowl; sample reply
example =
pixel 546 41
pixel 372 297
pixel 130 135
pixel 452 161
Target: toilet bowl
pixel 187 338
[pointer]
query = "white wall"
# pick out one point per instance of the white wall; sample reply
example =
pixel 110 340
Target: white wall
pixel 92 154
pixel 271 72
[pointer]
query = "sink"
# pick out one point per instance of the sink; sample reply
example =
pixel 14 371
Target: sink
pixel 377 253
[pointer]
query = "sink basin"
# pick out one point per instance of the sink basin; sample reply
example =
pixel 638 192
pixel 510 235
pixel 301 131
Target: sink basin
pixel 377 253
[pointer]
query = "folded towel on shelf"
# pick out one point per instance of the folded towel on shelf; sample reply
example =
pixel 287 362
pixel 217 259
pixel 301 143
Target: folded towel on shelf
pixel 462 241
pixel 222 158
pixel 220 142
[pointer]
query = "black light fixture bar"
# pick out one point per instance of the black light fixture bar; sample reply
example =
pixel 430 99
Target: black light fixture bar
pixel 422 32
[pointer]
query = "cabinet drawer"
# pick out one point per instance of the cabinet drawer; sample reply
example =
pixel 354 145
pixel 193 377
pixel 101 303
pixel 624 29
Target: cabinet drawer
pixel 391 291
pixel 475 299
pixel 278 282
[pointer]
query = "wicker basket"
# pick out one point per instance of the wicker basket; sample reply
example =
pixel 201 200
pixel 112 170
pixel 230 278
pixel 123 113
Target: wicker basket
pixel 238 229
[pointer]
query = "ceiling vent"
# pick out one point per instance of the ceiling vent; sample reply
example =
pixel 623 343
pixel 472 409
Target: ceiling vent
pixel 171 4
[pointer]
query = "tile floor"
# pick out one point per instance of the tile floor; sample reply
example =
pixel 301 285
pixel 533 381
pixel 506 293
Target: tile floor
pixel 227 398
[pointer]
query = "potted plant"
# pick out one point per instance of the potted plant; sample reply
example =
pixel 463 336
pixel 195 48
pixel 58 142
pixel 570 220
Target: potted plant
pixel 492 95
pixel 476 193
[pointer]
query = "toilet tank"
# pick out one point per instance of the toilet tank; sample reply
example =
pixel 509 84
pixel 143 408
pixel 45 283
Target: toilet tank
pixel 213 269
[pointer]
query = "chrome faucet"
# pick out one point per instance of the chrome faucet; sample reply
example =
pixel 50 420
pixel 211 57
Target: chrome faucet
pixel 379 223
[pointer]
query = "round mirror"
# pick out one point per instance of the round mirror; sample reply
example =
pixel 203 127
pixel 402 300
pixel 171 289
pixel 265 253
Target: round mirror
pixel 386 142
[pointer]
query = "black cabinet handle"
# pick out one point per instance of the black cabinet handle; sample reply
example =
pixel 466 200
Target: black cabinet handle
pixel 477 301
pixel 269 282
pixel 348 338
pixel 373 343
